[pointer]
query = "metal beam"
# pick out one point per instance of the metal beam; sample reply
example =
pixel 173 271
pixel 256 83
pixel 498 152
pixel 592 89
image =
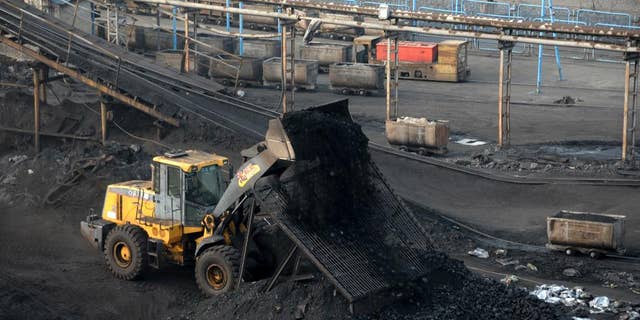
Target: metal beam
pixel 499 36
pixel 92 83
pixel 513 24
pixel 46 134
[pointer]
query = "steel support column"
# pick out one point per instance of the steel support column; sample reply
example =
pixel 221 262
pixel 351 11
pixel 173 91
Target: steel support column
pixel 293 66
pixel 186 43
pixel 396 76
pixel 630 119
pixel 388 80
pixel 240 31
pixel 283 57
pixel 504 93
pixel 36 108
pixel 103 119
pixel 44 74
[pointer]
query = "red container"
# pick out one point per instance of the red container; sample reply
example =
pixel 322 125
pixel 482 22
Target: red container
pixel 409 51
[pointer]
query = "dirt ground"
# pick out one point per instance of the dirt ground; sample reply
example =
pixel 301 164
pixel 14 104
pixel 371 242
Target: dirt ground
pixel 53 273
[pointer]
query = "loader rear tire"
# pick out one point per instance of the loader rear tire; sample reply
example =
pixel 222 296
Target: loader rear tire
pixel 125 252
pixel 218 269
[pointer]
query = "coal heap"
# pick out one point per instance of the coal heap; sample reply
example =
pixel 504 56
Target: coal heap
pixel 335 198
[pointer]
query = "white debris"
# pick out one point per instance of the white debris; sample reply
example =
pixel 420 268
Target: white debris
pixel 599 304
pixel 240 93
pixel 17 159
pixel 29 171
pixel 480 253
pixel 470 142
pixel 574 298
pixel 135 148
pixel 509 279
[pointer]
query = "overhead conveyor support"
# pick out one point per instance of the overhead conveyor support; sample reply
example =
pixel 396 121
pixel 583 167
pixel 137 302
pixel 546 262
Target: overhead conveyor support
pixel 538 32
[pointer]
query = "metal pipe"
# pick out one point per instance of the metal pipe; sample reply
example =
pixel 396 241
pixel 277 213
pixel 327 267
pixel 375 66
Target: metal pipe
pixel 517 25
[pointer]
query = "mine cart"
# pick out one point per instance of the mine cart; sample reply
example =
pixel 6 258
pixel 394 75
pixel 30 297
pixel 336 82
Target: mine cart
pixel 306 73
pixel 594 234
pixel 326 53
pixel 356 78
pixel 229 70
pixel 443 61
pixel 418 134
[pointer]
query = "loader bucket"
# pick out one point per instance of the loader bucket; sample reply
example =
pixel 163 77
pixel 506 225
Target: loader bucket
pixel 277 139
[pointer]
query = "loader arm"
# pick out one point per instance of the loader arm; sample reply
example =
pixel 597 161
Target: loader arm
pixel 278 148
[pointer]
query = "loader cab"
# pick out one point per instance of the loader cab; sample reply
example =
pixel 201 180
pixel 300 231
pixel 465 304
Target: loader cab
pixel 188 184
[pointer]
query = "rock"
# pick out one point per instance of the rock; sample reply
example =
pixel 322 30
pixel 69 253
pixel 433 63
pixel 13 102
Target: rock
pixel 509 279
pixel 566 100
pixel 500 253
pixel 571 272
pixel 479 252
pixel 300 310
pixel 507 262
pixel 135 148
pixel 17 159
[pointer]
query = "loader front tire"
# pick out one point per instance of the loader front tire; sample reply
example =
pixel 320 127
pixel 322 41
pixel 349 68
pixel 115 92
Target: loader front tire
pixel 125 252
pixel 217 269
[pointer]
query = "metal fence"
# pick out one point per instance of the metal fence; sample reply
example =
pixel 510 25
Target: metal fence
pixel 486 8
pixel 532 11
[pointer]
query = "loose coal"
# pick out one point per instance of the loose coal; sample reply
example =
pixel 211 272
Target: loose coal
pixel 335 192
pixel 586 217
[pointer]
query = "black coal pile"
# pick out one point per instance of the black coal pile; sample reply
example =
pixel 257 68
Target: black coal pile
pixel 337 150
pixel 335 197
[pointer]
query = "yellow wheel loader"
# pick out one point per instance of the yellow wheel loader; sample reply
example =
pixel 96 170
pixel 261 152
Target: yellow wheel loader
pixel 189 213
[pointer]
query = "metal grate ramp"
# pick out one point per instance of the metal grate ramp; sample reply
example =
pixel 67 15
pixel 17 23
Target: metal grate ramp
pixel 357 263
